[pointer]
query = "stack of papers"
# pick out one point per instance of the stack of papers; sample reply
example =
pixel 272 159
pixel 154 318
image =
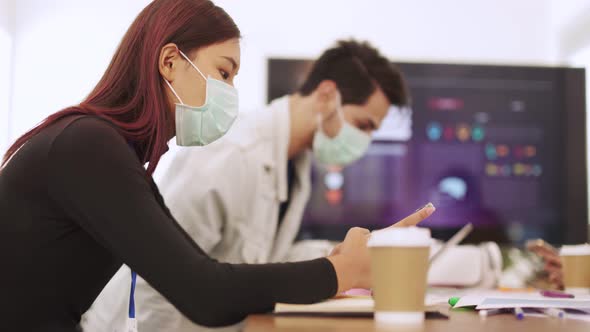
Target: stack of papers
pixel 488 300
pixel 498 300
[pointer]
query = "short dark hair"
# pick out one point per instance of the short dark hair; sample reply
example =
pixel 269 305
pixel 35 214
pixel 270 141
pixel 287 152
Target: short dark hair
pixel 357 68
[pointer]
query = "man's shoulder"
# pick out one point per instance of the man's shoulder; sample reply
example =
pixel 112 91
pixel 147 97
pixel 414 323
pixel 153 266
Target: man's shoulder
pixel 250 141
pixel 253 128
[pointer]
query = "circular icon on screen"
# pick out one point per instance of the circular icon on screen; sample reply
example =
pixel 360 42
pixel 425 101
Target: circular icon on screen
pixel 492 169
pixel 530 151
pixel 519 169
pixel 502 150
pixel 506 170
pixel 334 180
pixel 463 132
pixel 434 131
pixel 491 152
pixel 454 187
pixel 449 133
pixel 518 152
pixel 477 134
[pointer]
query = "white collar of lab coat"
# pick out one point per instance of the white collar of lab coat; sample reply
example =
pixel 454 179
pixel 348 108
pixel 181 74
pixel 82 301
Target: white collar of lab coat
pixel 282 127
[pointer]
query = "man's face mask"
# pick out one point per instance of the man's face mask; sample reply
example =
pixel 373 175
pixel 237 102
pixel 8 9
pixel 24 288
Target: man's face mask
pixel 348 145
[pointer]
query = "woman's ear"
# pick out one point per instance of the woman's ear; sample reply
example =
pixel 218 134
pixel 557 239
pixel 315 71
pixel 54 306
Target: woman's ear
pixel 168 61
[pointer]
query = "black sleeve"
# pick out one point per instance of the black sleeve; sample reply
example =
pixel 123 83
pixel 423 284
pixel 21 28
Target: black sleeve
pixel 96 178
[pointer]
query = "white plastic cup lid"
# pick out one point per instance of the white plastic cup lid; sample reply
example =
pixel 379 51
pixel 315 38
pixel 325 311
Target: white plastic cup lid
pixel 575 250
pixel 401 237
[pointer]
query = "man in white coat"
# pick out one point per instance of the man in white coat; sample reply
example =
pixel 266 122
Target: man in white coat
pixel 242 198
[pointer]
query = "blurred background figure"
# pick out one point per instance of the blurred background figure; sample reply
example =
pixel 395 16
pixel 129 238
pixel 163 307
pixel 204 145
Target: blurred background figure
pixel 551 274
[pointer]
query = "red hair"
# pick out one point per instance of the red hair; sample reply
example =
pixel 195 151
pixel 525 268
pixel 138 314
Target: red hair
pixel 131 94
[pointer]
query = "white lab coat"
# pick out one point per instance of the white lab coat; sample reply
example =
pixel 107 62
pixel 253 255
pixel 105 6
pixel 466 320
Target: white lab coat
pixel 227 197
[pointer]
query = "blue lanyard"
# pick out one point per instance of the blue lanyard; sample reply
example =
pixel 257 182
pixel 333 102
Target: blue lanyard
pixel 132 296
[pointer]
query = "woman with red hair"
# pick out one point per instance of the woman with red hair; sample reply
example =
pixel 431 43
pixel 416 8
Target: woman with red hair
pixel 76 201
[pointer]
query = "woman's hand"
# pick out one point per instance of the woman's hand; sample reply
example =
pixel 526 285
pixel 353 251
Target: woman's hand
pixel 351 258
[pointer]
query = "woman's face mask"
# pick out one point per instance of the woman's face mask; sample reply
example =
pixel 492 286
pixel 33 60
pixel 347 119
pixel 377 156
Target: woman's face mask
pixel 199 126
pixel 346 146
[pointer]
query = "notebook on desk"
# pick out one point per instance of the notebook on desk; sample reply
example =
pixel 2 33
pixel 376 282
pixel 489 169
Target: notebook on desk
pixel 341 305
pixel 346 306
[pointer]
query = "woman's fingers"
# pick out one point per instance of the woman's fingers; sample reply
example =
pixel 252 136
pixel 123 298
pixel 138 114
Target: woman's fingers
pixel 416 217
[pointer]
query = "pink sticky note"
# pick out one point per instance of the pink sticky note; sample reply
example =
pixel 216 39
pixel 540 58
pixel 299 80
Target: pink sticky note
pixel 358 292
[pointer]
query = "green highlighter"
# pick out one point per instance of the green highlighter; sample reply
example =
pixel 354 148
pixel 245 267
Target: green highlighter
pixel 454 300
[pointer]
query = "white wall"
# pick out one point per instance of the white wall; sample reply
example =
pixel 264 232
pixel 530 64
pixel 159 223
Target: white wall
pixel 500 31
pixel 571 24
pixel 63 46
pixel 7 11
pixel 7 15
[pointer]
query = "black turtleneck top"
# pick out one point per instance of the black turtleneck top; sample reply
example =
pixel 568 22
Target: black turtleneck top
pixel 75 203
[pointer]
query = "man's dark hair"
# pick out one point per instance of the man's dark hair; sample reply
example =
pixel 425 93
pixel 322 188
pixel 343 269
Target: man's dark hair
pixel 357 69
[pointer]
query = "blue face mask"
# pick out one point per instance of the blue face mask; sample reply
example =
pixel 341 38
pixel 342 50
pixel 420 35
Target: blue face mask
pixel 198 126
pixel 349 145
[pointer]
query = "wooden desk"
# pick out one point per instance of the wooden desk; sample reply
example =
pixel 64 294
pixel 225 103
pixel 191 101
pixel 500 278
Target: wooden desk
pixel 458 322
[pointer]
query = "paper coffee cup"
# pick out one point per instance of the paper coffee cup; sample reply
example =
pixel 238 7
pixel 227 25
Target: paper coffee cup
pixel 399 265
pixel 576 267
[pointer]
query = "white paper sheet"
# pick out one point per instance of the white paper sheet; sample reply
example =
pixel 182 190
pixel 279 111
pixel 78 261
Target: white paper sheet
pixel 582 317
pixel 545 302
